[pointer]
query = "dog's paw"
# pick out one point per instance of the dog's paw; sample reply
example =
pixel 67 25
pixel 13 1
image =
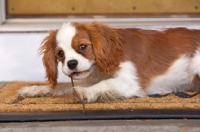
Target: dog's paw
pixel 34 91
pixel 85 94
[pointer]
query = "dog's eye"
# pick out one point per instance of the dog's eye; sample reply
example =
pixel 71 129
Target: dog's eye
pixel 61 54
pixel 82 47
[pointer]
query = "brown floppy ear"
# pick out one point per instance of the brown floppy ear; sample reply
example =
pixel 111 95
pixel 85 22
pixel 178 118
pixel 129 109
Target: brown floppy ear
pixel 107 47
pixel 49 59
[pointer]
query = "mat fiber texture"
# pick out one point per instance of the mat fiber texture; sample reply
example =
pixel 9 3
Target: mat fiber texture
pixel 8 94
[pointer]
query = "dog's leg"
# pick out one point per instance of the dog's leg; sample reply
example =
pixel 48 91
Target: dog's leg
pixel 45 90
pixel 123 85
pixel 111 89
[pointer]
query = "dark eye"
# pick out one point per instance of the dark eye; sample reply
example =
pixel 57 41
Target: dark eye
pixel 61 54
pixel 82 47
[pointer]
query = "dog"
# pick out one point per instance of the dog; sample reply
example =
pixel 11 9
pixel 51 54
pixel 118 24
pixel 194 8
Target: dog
pixel 110 63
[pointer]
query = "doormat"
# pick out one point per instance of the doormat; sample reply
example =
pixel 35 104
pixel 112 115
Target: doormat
pixel 8 94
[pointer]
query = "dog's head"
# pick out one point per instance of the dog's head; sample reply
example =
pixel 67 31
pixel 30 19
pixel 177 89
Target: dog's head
pixel 80 47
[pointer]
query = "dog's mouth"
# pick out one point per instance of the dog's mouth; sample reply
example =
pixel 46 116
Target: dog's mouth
pixel 81 74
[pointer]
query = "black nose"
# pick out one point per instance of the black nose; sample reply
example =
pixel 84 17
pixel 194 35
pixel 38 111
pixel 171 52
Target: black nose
pixel 72 64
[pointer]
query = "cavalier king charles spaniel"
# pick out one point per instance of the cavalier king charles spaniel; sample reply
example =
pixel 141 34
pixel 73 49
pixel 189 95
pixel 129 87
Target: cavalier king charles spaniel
pixel 110 63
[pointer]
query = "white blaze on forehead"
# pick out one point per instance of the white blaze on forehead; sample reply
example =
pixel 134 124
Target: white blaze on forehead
pixel 64 40
pixel 65 34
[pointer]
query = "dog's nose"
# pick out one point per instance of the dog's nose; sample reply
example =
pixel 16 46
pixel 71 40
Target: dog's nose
pixel 72 64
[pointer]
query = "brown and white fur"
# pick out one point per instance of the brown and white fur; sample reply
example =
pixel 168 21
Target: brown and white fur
pixel 118 63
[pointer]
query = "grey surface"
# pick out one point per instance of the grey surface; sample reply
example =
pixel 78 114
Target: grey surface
pixel 105 125
pixel 3 83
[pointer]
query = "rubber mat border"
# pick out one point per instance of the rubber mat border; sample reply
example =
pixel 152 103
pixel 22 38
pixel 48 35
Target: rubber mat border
pixel 99 115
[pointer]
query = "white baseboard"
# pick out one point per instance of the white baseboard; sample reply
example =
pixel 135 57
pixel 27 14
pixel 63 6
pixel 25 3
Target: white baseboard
pixel 45 24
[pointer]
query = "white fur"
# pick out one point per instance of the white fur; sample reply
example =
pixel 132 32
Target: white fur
pixel 64 39
pixel 123 85
pixel 179 76
pixel 33 91
pixel 65 34
pixel 36 91
pixel 173 80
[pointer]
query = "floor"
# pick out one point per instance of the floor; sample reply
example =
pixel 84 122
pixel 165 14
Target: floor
pixel 105 125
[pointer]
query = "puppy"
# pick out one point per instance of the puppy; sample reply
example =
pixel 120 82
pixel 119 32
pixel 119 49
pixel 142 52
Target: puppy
pixel 114 63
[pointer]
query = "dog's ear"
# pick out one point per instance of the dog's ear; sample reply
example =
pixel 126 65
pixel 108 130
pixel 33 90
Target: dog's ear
pixel 50 62
pixel 107 46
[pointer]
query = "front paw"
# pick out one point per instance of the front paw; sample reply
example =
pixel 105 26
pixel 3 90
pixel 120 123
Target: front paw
pixel 34 91
pixel 85 94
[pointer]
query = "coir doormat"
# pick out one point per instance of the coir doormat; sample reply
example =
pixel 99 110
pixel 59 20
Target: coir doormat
pixel 8 103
